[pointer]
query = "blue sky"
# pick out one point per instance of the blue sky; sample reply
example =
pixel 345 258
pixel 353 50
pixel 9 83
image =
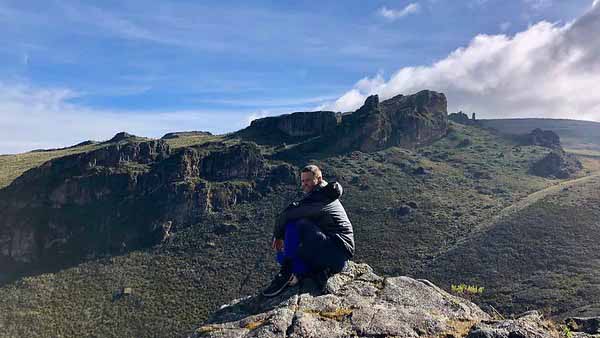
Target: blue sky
pixel 77 70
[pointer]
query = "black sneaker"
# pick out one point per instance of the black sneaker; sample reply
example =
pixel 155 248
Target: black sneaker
pixel 321 278
pixel 283 279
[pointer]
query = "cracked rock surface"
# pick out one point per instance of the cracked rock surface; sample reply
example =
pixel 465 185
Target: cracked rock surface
pixel 530 324
pixel 355 303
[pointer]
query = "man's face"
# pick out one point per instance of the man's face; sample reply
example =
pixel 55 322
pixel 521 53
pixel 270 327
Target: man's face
pixel 309 182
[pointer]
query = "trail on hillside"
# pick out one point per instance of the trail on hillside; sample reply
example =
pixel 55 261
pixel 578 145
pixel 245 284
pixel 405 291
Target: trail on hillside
pixel 516 207
pixel 538 195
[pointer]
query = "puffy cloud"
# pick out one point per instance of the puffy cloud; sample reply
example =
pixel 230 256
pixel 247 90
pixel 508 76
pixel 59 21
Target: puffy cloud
pixel 394 14
pixel 548 70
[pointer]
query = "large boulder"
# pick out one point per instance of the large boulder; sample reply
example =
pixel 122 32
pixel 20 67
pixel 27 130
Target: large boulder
pixel 356 303
pixel 557 164
pixel 544 138
pixel 359 303
pixel 405 121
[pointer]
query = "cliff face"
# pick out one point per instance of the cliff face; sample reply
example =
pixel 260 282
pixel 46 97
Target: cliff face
pixel 295 125
pixel 115 198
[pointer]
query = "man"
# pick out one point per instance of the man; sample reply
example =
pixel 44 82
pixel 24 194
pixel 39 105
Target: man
pixel 312 236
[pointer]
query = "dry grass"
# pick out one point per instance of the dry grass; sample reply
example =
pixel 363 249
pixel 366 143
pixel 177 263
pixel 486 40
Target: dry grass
pixel 12 166
pixel 190 140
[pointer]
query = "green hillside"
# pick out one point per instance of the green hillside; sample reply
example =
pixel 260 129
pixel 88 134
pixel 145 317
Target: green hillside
pixel 455 189
pixel 464 209
pixel 544 256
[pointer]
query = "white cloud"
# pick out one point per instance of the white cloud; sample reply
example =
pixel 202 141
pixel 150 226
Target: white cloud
pixel 32 118
pixel 393 14
pixel 548 70
pixel 258 115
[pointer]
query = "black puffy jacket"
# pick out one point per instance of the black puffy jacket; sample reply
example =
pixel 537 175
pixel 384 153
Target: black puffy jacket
pixel 322 206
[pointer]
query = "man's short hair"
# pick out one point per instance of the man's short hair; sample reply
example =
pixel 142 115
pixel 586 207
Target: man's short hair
pixel 311 168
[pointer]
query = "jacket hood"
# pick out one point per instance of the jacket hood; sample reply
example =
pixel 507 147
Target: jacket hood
pixel 333 190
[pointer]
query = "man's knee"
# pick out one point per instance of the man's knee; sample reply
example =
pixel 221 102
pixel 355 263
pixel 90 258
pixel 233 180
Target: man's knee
pixel 308 231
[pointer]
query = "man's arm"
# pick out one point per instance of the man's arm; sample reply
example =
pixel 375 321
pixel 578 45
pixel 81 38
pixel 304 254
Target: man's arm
pixel 302 210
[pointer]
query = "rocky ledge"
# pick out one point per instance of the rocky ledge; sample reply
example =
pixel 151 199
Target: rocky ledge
pixel 359 303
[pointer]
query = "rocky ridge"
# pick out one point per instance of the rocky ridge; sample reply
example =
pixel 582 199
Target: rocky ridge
pixel 405 121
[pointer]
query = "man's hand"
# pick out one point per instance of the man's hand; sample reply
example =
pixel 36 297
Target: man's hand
pixel 277 244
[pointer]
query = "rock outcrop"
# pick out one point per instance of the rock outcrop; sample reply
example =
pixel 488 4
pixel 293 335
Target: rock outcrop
pixel 543 138
pixel 556 163
pixel 358 303
pixel 405 121
pixel 462 118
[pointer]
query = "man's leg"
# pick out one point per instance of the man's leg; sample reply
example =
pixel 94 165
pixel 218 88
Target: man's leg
pixel 290 250
pixel 319 251
pixel 292 266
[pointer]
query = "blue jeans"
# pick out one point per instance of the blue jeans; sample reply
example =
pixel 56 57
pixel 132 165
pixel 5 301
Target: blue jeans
pixel 308 250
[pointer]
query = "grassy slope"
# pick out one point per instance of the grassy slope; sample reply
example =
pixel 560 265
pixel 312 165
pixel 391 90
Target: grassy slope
pixel 176 285
pixel 544 255
pixel 12 166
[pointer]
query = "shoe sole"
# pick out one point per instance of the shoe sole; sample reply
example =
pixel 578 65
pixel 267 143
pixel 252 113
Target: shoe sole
pixel 275 293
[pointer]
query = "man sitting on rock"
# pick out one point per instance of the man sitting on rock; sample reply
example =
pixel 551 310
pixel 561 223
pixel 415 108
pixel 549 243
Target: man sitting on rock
pixel 312 237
